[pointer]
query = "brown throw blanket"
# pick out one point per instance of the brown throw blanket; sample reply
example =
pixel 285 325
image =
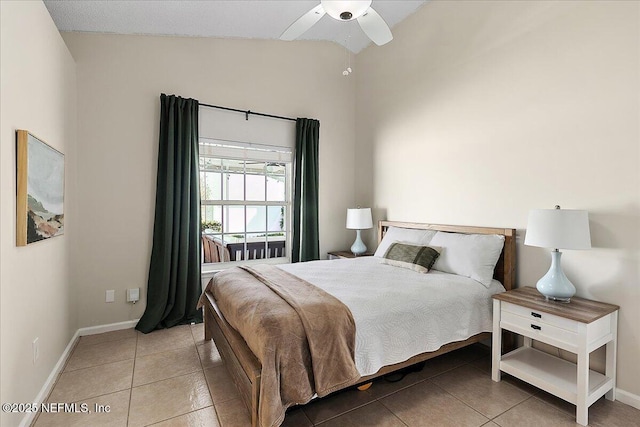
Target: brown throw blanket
pixel 303 336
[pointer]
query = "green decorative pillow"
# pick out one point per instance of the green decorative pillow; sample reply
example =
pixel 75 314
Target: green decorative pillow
pixel 416 258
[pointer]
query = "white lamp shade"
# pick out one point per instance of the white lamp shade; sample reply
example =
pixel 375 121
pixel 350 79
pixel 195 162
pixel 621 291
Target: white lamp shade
pixel 558 229
pixel 335 7
pixel 359 219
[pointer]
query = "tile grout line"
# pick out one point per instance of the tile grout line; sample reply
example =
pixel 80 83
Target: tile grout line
pixel 133 372
pixel 422 380
pixel 167 378
pixel 538 391
pixel 71 354
pixel 533 396
pixel 177 376
pixel 76 347
pixel 95 366
pixel 530 395
pixel 164 351
pixel 465 403
pixel 393 413
pixel 178 416
pixel 153 382
pixel 507 410
pixel 428 379
pixel 403 388
pixel 337 415
pixel 103 342
pixel 205 379
pixel 64 371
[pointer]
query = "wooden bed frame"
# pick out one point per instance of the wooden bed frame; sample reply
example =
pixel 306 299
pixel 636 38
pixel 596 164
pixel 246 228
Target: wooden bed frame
pixel 245 369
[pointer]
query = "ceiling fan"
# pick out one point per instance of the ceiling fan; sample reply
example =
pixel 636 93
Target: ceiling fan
pixel 343 10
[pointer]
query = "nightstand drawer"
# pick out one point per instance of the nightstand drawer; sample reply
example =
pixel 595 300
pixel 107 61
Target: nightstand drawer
pixel 541 317
pixel 539 331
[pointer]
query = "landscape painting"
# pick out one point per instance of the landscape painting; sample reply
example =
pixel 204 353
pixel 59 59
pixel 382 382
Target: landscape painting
pixel 40 190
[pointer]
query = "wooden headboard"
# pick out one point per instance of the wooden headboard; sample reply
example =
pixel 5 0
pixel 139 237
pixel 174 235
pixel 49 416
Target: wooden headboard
pixel 505 271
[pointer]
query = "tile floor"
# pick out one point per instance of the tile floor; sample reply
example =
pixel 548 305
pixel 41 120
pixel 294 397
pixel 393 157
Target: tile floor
pixel 174 378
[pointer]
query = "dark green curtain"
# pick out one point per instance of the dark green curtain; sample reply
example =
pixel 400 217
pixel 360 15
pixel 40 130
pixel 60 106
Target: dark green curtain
pixel 305 238
pixel 174 284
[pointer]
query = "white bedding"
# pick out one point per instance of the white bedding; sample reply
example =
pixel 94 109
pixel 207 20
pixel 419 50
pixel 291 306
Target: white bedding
pixel 398 312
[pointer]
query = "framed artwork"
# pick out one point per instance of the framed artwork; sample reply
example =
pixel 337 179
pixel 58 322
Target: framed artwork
pixel 40 190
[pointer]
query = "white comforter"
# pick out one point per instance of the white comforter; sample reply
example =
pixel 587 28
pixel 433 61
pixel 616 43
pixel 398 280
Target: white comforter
pixel 398 312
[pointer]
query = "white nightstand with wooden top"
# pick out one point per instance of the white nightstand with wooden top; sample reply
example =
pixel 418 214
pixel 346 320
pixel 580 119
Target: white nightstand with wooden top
pixel 580 327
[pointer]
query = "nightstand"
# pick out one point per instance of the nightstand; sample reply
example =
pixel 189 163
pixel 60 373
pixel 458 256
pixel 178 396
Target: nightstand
pixel 345 254
pixel 579 327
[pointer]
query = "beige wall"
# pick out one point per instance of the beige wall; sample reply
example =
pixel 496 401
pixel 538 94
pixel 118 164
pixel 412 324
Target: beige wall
pixel 120 79
pixel 482 111
pixel 38 87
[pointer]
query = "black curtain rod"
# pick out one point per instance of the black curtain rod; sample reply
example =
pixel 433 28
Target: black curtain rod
pixel 247 112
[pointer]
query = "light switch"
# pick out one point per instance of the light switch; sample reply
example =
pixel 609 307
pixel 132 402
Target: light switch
pixel 111 296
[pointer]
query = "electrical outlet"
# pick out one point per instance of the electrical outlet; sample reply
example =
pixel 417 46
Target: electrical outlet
pixel 111 296
pixel 133 295
pixel 36 350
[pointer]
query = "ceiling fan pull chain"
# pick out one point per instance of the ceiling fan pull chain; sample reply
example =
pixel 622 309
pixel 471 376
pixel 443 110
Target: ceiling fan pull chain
pixel 347 58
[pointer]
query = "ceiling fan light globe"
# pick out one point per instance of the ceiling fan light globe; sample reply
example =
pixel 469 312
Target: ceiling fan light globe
pixel 340 9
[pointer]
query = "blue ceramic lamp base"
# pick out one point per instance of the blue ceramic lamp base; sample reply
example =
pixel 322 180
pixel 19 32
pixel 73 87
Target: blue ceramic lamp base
pixel 554 285
pixel 358 248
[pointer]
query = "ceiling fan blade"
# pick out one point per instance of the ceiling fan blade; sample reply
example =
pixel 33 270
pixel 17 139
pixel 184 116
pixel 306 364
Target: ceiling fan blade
pixel 375 28
pixel 303 23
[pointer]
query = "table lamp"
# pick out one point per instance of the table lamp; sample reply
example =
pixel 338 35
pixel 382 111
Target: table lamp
pixel 359 219
pixel 557 229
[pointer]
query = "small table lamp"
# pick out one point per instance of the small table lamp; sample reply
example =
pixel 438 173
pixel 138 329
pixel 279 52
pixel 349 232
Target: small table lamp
pixel 359 219
pixel 558 229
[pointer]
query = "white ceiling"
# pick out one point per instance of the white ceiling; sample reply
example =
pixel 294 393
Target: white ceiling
pixel 253 19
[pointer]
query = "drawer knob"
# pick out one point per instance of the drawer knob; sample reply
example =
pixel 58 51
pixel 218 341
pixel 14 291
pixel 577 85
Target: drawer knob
pixel 534 314
pixel 536 327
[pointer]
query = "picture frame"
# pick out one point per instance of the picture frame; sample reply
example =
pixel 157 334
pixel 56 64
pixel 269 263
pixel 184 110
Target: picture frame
pixel 39 190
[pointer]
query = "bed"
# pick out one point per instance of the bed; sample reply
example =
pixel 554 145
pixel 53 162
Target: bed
pixel 246 370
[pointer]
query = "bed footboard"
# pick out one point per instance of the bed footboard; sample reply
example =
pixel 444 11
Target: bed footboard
pixel 241 363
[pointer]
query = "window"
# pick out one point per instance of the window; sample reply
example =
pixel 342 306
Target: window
pixel 245 192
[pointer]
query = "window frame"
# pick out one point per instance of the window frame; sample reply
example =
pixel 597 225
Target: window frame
pixel 220 149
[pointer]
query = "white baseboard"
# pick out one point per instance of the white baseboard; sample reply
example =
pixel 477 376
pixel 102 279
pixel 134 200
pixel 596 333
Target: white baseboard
pixel 628 398
pixel 100 329
pixel 48 385
pixel 57 369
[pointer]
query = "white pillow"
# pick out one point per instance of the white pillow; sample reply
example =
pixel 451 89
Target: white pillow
pixel 404 235
pixel 469 255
